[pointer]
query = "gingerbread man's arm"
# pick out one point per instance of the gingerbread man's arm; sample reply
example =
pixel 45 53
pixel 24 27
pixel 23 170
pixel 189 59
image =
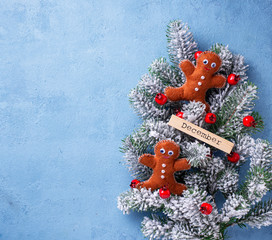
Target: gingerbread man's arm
pixel 181 164
pixel 148 160
pixel 187 67
pixel 218 81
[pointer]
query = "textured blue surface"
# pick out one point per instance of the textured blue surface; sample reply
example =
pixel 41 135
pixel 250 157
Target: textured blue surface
pixel 66 68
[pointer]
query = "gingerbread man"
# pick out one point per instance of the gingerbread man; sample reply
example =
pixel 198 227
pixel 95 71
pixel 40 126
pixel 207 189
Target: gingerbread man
pixel 164 163
pixel 199 79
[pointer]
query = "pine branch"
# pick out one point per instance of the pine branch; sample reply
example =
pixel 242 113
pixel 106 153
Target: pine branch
pixel 239 68
pixel 140 200
pixel 163 228
pixel 197 154
pixel 262 155
pixel 194 112
pixel 257 183
pixel 181 44
pixel 230 64
pixel 225 56
pixel 235 207
pixel 142 98
pixel 212 170
pixel 168 75
pixel 196 179
pixel 186 209
pixel 259 215
pixel 227 182
pixel 133 147
pixel 239 104
pixel 245 147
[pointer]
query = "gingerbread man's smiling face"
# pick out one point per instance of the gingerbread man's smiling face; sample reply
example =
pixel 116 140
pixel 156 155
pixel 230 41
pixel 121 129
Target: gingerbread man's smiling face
pixel 167 151
pixel 208 62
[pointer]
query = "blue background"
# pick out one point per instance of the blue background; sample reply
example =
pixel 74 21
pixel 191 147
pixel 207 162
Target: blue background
pixel 66 68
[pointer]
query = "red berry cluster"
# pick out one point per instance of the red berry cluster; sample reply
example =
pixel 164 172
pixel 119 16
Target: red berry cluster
pixel 134 183
pixel 179 114
pixel 197 54
pixel 210 118
pixel 160 98
pixel 206 208
pixel 249 121
pixel 233 157
pixel 164 192
pixel 233 79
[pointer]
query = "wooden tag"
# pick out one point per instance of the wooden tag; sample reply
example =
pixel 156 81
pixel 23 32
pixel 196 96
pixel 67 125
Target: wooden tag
pixel 201 134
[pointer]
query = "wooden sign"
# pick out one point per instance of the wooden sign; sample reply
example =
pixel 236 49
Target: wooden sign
pixel 201 134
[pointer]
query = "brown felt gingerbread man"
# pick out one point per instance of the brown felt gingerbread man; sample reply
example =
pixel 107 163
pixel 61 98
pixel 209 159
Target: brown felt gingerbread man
pixel 164 163
pixel 199 79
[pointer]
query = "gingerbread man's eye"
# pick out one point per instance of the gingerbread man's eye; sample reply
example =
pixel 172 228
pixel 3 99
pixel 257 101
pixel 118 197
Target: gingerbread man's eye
pixel 162 150
pixel 205 61
pixel 170 153
pixel 213 65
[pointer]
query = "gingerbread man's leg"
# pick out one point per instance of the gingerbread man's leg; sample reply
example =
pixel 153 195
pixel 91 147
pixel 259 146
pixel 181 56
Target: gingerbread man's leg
pixel 147 184
pixel 177 189
pixel 174 94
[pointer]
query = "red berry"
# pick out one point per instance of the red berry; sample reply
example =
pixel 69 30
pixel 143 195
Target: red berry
pixel 164 192
pixel 233 79
pixel 197 54
pixel 249 121
pixel 179 114
pixel 233 157
pixel 210 118
pixel 160 99
pixel 206 208
pixel 134 183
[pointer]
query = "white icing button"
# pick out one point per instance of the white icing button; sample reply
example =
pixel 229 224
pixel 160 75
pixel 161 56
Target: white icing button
pixel 196 89
pixel 199 83
pixel 163 171
pixel 202 77
pixel 162 176
pixel 163 165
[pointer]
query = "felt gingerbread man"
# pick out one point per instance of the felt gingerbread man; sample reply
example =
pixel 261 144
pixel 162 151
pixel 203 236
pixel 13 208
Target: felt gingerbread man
pixel 199 79
pixel 164 163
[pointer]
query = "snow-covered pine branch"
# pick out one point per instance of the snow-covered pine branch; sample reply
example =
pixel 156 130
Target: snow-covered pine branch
pixel 140 200
pixel 260 215
pixel 234 207
pixel 168 75
pixel 181 43
pixel 142 99
pixel 157 228
pixel 262 155
pixel 239 67
pixel 186 209
pixel 230 64
pixel 237 105
pixel 259 177
pixel 197 154
pixel 179 210
pixel 196 179
pixel 226 57
pixel 227 183
pixel 133 147
pixel 244 146
pixel 212 170
pixel 194 112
